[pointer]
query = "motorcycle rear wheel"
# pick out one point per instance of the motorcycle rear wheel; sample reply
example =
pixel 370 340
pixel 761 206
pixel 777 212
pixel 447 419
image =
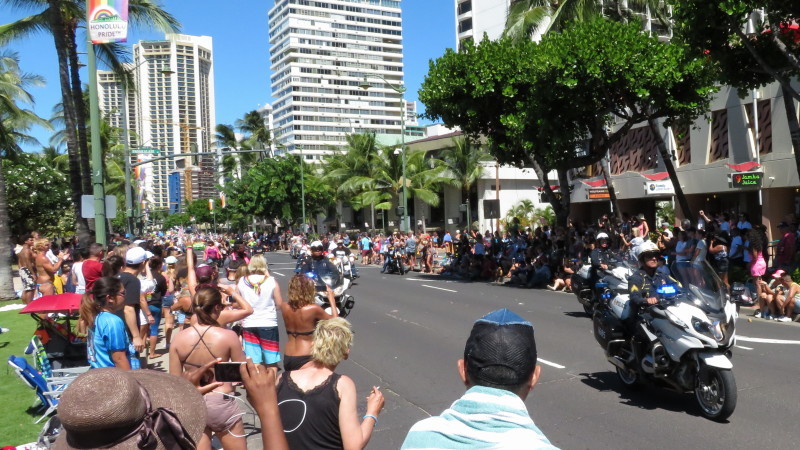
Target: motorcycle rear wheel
pixel 716 393
pixel 629 378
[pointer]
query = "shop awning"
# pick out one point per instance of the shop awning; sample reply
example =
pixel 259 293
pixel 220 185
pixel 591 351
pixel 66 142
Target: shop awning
pixel 744 167
pixel 596 183
pixel 655 176
pixel 553 187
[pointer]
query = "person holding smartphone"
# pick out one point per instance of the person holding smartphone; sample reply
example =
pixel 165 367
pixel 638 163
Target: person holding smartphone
pixel 196 346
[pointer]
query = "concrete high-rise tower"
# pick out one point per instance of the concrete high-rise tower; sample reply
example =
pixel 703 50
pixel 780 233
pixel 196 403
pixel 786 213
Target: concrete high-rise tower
pixel 172 109
pixel 320 54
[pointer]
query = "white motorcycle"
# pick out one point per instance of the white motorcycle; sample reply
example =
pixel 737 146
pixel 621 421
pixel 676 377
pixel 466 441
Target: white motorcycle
pixel 682 343
pixel 344 301
pixel 611 282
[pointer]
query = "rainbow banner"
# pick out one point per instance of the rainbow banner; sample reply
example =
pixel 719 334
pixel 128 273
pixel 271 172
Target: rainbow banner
pixel 108 21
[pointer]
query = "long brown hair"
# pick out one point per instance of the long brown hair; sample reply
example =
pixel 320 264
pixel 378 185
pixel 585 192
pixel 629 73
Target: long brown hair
pixel 92 304
pixel 205 300
pixel 301 291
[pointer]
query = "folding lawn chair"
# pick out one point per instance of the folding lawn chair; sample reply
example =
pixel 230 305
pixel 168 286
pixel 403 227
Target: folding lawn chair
pixel 47 390
pixel 42 363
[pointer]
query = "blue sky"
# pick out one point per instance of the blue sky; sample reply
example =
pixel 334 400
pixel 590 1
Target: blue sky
pixel 241 50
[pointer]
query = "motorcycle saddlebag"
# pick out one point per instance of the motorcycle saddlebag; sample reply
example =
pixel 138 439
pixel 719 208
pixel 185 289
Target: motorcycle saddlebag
pixel 606 327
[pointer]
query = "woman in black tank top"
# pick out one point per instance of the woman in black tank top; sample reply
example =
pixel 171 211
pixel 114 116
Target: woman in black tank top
pixel 317 405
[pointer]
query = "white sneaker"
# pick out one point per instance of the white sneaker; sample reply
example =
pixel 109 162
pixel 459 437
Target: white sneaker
pixel 783 319
pixel 757 315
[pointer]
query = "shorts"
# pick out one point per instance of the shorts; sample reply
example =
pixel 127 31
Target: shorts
pixel 223 412
pixel 364 253
pixel 167 301
pixel 28 282
pixel 261 344
pixel 156 312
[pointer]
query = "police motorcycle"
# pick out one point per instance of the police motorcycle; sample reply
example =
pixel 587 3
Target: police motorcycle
pixel 610 282
pixel 395 257
pixel 338 282
pixel 682 343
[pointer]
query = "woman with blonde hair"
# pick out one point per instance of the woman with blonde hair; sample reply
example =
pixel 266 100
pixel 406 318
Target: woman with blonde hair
pixel 300 316
pixel 45 269
pixel 260 329
pixel 318 406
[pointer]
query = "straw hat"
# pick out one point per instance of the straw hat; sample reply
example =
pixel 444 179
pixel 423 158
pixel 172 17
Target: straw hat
pixel 105 408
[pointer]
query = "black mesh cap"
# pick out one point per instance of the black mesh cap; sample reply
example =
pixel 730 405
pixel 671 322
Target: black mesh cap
pixel 501 349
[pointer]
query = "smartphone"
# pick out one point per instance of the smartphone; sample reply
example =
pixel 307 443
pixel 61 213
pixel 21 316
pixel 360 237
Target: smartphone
pixel 228 371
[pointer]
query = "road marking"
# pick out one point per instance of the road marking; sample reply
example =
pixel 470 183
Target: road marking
pixel 767 341
pixel 743 348
pixel 551 364
pixel 434 287
pixel 280 274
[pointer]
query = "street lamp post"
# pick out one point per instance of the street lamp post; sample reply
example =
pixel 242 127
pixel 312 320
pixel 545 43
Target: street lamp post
pixel 98 188
pixel 400 89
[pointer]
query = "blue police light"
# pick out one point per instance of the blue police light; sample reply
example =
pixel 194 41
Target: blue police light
pixel 667 289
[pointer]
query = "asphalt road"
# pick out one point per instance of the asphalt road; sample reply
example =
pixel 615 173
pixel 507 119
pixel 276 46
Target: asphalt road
pixel 410 330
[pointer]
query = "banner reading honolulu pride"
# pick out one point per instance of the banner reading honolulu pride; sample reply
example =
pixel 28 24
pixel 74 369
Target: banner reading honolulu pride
pixel 108 21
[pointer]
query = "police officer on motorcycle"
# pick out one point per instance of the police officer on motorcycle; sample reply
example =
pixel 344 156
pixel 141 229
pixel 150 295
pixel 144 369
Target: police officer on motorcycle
pixel 600 258
pixel 319 265
pixel 643 283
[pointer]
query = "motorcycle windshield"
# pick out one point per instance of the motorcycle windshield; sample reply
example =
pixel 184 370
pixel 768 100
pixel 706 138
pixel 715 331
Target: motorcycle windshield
pixel 701 283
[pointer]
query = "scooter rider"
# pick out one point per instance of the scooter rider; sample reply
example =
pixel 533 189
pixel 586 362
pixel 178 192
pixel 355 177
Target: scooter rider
pixel 343 253
pixel 319 264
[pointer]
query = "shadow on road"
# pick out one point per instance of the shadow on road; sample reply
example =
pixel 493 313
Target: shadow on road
pixel 647 397
pixel 581 314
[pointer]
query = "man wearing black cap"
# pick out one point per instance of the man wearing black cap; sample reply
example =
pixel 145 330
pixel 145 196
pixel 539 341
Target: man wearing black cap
pixel 499 370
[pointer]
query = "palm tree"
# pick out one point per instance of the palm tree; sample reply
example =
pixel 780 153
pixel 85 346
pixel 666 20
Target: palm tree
pixel 526 18
pixel 14 122
pixel 61 19
pixel 258 135
pixel 226 138
pixel 355 161
pixel 462 164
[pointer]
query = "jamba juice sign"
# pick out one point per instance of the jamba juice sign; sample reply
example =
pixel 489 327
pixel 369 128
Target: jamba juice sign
pixel 746 179
pixel 108 21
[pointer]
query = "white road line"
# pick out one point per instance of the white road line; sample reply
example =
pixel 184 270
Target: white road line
pixel 767 341
pixel 743 348
pixel 434 287
pixel 280 274
pixel 552 364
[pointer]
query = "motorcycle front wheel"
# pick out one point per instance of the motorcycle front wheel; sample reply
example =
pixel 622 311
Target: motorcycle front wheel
pixel 629 378
pixel 716 393
pixel 589 309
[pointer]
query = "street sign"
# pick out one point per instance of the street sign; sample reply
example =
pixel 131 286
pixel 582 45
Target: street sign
pixel 87 206
pixel 147 151
pixel 745 179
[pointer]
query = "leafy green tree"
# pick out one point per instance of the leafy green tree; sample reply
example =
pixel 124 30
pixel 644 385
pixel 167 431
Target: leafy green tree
pixel 38 195
pixel 271 190
pixel 15 121
pixel 462 164
pixel 750 55
pixel 552 104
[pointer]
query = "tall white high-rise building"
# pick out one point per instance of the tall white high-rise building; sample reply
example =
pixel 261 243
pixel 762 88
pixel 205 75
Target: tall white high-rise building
pixel 320 53
pixel 476 17
pixel 171 109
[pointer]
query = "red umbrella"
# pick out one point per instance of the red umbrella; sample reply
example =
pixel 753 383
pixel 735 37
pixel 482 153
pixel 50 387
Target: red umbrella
pixel 59 303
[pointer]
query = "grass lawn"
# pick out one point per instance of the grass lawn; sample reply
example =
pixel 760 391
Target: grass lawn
pixel 16 426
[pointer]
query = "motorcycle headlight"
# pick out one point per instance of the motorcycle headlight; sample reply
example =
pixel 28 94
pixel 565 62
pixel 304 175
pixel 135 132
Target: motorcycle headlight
pixel 713 329
pixel 675 319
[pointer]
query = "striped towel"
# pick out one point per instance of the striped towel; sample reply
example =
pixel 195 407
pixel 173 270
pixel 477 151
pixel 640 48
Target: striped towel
pixel 483 418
